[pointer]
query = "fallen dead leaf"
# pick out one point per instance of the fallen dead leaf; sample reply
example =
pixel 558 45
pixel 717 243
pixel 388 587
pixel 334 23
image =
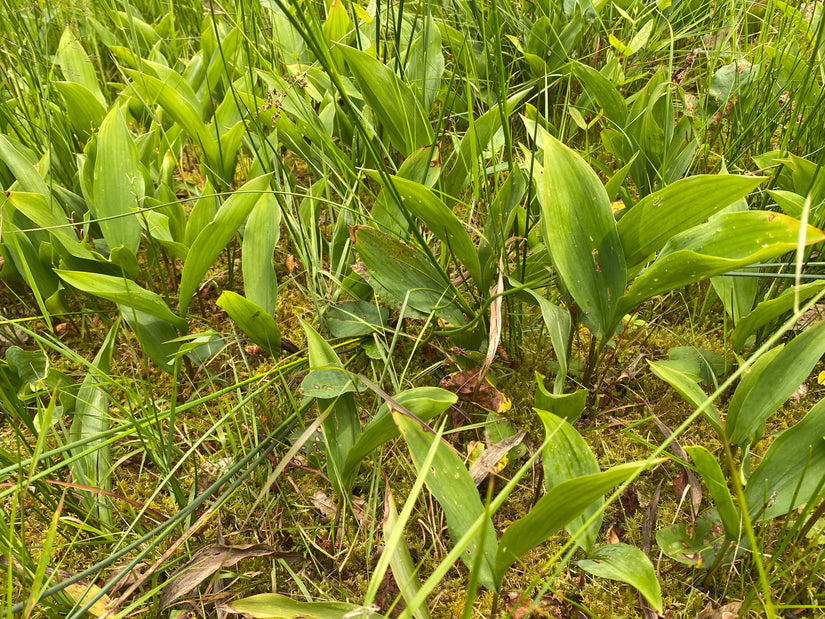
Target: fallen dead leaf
pixel 206 562
pixel 463 384
pixel 611 537
pixel 290 263
pixel 728 611
pixel 492 455
pixel 329 509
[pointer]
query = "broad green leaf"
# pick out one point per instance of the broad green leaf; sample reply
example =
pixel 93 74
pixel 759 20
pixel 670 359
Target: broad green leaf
pixel 626 564
pixel 397 272
pixel 84 110
pixel 123 292
pixel 355 318
pixel 698 546
pixel 90 419
pixel 604 91
pixel 555 509
pixel 35 207
pixel 756 400
pixel 22 168
pixel 77 67
pixel 791 471
pixel 791 203
pixel 686 387
pixel 452 486
pixel 217 233
pixel 567 456
pixel 711 473
pixel 474 142
pixel 342 428
pixel 391 100
pixel 401 563
pixel 655 219
pixel 568 406
pixel 578 226
pixel 558 325
pixel 118 184
pixel 275 606
pixel 423 402
pixel 203 212
pixel 425 62
pixel 169 95
pixel 770 310
pixel 155 336
pixel 31 366
pixel 441 221
pixel 728 242
pixel 253 320
pixel 263 229
pixel 422 166
pixel 327 383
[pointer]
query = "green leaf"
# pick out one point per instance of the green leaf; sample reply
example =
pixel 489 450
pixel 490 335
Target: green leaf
pixel 770 310
pixel 759 397
pixel 791 471
pixel 123 292
pixel 155 335
pixel 557 322
pixel 604 91
pixel 327 383
pixel 441 221
pixel 730 241
pixel 171 94
pixel 626 564
pixel 253 320
pixel 474 143
pixel 216 234
pixel 391 100
pixel 698 546
pixel 708 468
pixel 275 606
pixel 568 406
pixel 84 110
pixel 656 218
pixel 31 367
pixel 686 386
pixel 425 63
pixel 263 229
pixel 401 563
pixel 355 318
pixel 555 509
pixel 90 419
pixel 397 272
pixel 567 456
pixel 118 183
pixel 452 486
pixel 578 226
pixel 35 207
pixel 77 67
pixel 423 402
pixel 342 428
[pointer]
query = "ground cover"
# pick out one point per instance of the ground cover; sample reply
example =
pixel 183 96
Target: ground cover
pixel 347 309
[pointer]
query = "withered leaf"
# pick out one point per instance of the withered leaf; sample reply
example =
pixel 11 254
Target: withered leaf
pixel 491 456
pixel 463 384
pixel 206 562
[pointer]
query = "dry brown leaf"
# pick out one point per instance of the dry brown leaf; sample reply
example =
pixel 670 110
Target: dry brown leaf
pixel 728 611
pixel 290 263
pixel 329 509
pixel 206 562
pixel 486 462
pixel 463 384
pixel 611 537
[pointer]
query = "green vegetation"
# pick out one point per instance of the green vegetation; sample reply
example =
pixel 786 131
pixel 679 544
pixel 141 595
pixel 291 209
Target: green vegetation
pixel 281 282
